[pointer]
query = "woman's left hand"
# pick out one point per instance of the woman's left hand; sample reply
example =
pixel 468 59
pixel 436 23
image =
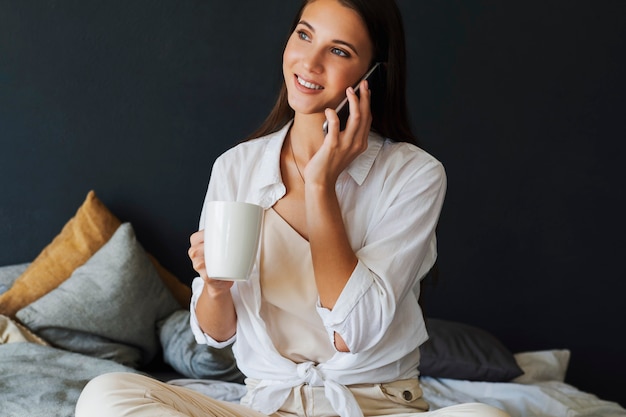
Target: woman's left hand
pixel 341 148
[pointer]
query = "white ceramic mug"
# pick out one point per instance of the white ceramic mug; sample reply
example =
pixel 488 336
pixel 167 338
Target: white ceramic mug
pixel 232 232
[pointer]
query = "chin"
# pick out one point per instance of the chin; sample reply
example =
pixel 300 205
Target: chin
pixel 306 108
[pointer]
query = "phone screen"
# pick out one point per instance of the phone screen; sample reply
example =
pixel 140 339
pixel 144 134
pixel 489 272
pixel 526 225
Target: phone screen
pixel 343 109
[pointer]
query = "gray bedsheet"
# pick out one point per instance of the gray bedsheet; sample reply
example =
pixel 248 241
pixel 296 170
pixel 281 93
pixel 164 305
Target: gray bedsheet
pixel 44 381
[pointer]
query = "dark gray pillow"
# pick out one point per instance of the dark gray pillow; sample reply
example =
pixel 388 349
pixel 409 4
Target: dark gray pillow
pixel 193 360
pixel 107 308
pixel 460 351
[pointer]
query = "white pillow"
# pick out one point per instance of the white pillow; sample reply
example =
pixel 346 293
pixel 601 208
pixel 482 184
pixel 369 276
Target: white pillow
pixel 546 365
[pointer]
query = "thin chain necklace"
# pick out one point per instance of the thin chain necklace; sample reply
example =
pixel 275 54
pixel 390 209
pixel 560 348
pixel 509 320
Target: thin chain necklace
pixel 293 155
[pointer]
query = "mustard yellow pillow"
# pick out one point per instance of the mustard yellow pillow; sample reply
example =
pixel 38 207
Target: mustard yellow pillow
pixel 81 237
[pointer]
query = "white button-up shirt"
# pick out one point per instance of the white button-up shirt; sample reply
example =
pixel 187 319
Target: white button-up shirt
pixel 390 198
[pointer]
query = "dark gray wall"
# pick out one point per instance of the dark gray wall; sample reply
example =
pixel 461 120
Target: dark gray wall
pixel 522 102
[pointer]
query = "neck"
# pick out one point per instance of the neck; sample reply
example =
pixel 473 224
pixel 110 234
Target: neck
pixel 307 134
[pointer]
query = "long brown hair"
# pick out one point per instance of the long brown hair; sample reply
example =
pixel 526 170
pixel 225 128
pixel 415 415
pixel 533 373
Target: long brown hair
pixel 389 107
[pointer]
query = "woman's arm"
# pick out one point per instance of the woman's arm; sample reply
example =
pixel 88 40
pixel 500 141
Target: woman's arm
pixel 333 257
pixel 215 310
pixel 360 289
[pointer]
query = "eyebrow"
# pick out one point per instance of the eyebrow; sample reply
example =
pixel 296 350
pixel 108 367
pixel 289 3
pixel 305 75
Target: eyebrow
pixel 339 41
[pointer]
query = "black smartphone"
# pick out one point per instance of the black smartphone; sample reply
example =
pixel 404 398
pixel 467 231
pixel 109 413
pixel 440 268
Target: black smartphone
pixel 343 109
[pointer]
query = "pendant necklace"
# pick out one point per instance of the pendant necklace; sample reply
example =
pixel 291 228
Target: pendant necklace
pixel 293 155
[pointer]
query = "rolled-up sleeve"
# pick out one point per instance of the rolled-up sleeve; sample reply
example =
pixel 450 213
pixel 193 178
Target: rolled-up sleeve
pixel 399 248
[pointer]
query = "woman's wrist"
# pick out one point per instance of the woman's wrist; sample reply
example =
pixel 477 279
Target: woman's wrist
pixel 319 189
pixel 215 311
pixel 217 290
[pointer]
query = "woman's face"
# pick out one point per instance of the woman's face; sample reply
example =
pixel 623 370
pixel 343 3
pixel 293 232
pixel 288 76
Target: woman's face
pixel 328 51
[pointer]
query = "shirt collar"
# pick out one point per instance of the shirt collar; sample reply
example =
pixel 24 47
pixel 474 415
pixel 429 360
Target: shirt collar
pixel 358 169
pixel 361 166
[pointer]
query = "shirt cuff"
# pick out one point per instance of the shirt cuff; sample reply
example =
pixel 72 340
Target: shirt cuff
pixel 357 286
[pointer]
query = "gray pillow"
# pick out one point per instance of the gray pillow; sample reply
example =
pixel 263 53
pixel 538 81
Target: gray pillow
pixel 193 360
pixel 8 275
pixel 460 351
pixel 109 307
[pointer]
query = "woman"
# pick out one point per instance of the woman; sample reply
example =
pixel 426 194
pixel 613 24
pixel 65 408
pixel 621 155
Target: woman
pixel 328 323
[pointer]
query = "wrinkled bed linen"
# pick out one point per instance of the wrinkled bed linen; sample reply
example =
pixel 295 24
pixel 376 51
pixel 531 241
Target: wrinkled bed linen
pixel 38 381
pixel 42 381
pixel 540 392
pixel 542 399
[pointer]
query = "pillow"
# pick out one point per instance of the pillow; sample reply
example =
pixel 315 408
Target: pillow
pixel 545 365
pixel 460 351
pixel 109 307
pixel 8 275
pixel 191 359
pixel 91 227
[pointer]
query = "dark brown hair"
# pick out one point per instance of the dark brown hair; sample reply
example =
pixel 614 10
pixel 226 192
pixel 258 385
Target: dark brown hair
pixel 389 107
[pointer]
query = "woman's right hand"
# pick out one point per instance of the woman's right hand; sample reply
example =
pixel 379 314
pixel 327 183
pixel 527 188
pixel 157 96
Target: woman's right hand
pixel 215 310
pixel 196 254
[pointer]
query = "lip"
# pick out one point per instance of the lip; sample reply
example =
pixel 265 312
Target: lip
pixel 304 89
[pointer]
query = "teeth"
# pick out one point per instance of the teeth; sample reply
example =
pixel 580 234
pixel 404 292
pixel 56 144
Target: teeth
pixel 308 84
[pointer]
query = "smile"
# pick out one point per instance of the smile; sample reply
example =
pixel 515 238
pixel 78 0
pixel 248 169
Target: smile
pixel 307 84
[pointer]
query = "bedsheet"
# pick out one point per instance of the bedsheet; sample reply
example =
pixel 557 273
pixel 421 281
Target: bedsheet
pixel 43 381
pixel 540 392
pixel 541 399
pixel 38 381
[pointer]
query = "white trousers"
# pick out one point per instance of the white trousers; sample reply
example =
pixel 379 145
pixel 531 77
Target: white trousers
pixel 127 394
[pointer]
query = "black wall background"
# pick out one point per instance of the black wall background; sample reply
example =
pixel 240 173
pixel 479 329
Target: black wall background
pixel 523 102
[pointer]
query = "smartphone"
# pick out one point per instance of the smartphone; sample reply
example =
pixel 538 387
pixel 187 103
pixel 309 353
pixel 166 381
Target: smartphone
pixel 343 110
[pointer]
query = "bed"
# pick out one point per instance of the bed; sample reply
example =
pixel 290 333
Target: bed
pixel 94 301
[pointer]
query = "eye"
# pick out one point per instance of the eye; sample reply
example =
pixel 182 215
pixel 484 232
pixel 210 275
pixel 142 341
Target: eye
pixel 303 35
pixel 339 52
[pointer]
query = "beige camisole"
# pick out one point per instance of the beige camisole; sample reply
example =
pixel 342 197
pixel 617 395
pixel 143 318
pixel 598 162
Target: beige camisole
pixel 289 294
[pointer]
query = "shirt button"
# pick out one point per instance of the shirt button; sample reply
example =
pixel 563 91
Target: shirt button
pixel 407 395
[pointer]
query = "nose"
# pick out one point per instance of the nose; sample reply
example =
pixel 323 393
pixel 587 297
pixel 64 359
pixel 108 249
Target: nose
pixel 313 61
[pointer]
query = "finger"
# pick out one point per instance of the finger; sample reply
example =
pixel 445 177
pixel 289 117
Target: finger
pixel 333 122
pixel 365 108
pixel 196 254
pixel 196 251
pixel 196 247
pixel 355 111
pixel 359 121
pixel 365 98
pixel 196 237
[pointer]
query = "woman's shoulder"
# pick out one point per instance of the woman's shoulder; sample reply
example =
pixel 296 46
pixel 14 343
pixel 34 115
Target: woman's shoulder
pixel 403 154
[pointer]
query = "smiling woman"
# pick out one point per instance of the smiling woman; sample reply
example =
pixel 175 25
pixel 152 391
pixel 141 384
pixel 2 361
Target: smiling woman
pixel 385 34
pixel 323 57
pixel 327 323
